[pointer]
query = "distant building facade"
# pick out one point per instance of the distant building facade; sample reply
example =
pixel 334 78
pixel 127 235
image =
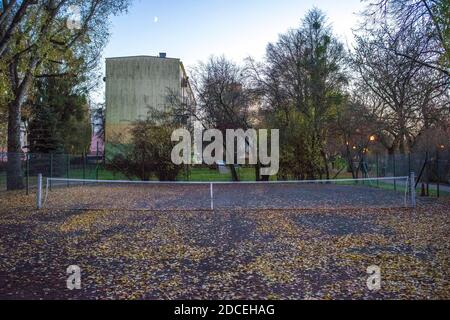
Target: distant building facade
pixel 97 147
pixel 134 84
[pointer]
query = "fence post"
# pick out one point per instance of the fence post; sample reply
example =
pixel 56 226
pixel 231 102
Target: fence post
pixel 378 169
pixel 39 192
pixel 428 174
pixel 409 162
pixel 84 166
pixel 97 164
pixel 413 189
pixel 51 170
pixel 437 174
pixel 68 170
pixel 395 173
pixel 27 162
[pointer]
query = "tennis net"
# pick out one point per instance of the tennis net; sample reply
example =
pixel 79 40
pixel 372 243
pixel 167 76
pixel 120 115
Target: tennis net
pixel 79 194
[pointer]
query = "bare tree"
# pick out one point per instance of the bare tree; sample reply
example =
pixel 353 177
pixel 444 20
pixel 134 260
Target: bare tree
pixel 355 132
pixel 403 96
pixel 427 20
pixel 224 99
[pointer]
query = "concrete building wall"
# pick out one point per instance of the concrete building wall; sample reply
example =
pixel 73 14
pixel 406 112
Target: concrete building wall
pixel 133 84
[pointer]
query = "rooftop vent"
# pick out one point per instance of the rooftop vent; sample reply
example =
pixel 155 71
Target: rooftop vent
pixel 162 55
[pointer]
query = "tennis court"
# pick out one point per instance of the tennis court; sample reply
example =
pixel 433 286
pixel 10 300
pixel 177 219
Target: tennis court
pixel 283 240
pixel 222 254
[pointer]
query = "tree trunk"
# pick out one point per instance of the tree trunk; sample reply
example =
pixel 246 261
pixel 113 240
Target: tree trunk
pixel 258 171
pixel 234 174
pixel 326 162
pixel 350 162
pixel 14 180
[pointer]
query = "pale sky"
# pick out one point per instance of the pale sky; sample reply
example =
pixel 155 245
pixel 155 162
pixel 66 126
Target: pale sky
pixel 193 30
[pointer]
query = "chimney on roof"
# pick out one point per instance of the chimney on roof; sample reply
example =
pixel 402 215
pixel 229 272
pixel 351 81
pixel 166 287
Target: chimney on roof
pixel 162 55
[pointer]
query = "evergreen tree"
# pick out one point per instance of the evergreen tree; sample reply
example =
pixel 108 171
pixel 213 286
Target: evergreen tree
pixel 61 120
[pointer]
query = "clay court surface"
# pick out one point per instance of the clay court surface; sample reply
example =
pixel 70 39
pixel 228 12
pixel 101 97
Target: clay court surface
pixel 228 253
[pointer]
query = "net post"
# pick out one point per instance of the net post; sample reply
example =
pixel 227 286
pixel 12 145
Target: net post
pixel 39 192
pixel 412 185
pixel 212 196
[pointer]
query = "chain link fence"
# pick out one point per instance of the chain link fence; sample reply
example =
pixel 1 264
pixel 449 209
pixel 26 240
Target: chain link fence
pixel 49 165
pixel 430 168
pixel 434 167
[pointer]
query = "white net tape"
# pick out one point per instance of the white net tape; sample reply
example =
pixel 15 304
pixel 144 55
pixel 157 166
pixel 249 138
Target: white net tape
pixel 83 194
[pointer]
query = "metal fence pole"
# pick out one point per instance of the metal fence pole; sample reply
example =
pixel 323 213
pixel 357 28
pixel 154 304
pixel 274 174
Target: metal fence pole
pixel 409 162
pixel 39 192
pixel 84 166
pixel 427 166
pixel 413 189
pixel 27 162
pixel 97 163
pixel 68 170
pixel 437 174
pixel 395 173
pixel 378 169
pixel 51 170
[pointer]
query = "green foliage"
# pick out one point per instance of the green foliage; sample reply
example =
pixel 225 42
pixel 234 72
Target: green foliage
pixel 59 118
pixel 299 152
pixel 305 79
pixel 37 42
pixel 148 154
